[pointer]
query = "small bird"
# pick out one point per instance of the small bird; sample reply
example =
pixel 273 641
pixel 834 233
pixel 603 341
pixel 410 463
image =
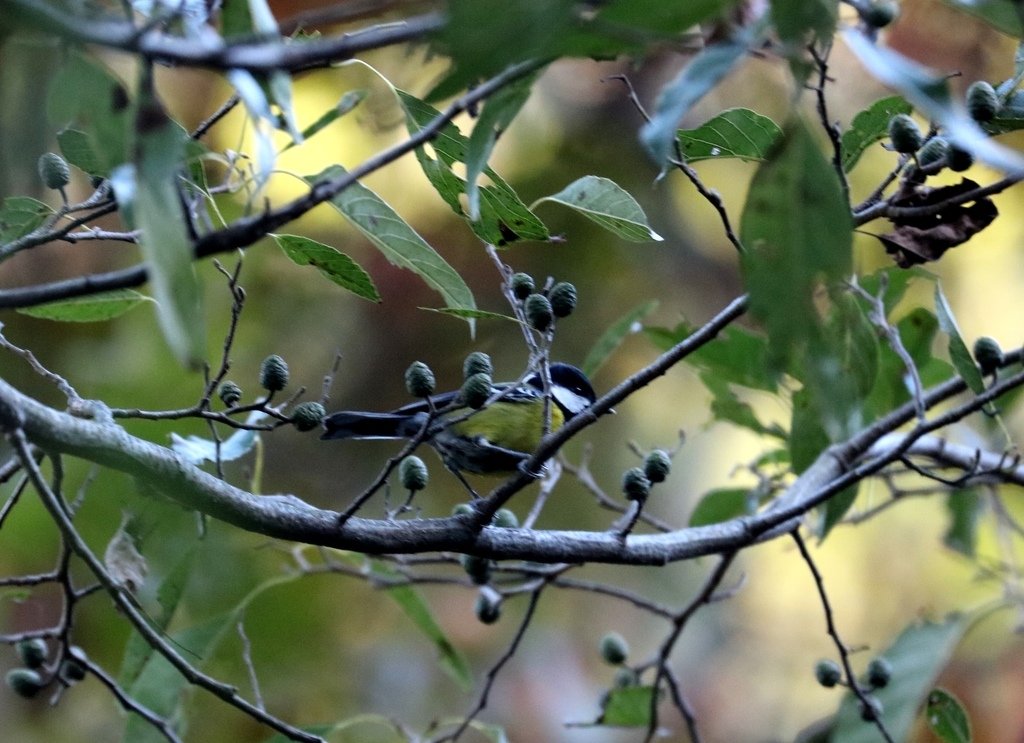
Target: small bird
pixel 494 440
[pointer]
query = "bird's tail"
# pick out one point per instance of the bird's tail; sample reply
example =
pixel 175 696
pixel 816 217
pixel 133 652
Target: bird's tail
pixel 351 425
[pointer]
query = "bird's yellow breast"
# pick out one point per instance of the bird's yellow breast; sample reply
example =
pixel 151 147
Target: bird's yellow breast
pixel 516 426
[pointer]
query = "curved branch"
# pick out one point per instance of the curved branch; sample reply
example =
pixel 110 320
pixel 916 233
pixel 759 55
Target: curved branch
pixel 289 518
pixel 209 50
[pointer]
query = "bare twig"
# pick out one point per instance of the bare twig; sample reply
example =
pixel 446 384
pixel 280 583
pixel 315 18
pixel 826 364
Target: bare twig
pixel 74 540
pixel 704 596
pixel 844 654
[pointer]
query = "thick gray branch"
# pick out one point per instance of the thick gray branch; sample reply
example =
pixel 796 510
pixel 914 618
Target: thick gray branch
pixel 289 518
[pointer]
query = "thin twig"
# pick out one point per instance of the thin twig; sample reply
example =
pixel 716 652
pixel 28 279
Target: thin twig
pixel 128 607
pixel 868 710
pixel 704 596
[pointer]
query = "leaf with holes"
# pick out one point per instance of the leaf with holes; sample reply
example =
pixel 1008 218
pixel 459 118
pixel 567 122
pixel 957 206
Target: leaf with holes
pixel 606 203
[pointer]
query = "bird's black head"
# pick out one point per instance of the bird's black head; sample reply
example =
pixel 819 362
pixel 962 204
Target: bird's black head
pixel 570 388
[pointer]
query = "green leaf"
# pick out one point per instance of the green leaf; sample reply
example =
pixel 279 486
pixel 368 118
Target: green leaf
pixel 148 196
pixel 738 356
pixel 606 203
pixel 280 86
pixel 856 342
pixel 964 506
pixel 869 126
pixel 947 718
pixel 629 707
pixel 161 688
pixel 504 218
pixel 721 505
pixel 703 73
pixel 1002 14
pixel 795 19
pixel 348 102
pixel 929 94
pixel 77 150
pixel 736 132
pixel 19 215
pixel 330 262
pixel 612 337
pixel 452 661
pixel 797 230
pixel 86 96
pixel 470 314
pixel 93 308
pixel 496 116
pixel 483 37
pixel 896 282
pixel 254 97
pixel 664 18
pixel 397 241
pixel 917 331
pixel 959 354
pixel 834 510
pixel 917 656
pixel 726 406
pixel 807 435
pixel 138 651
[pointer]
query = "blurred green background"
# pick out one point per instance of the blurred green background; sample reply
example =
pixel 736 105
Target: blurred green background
pixel 327 647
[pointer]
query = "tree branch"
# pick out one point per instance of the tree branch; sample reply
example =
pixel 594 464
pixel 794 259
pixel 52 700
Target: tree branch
pixel 210 51
pixel 289 518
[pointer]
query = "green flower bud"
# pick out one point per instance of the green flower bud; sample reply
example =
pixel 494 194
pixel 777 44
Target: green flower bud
pixel 563 299
pixel 33 652
pixel 230 393
pixel 879 673
pixel 477 568
pixel 879 14
pixel 614 649
pixel 476 363
pixel 872 710
pixel 657 465
pixel 308 415
pixel 488 605
pixel 934 151
pixel 505 519
pixel 635 485
pixel 463 509
pixel 522 285
pixel 419 380
pixel 273 373
pixel 537 309
pixel 828 673
pixel 476 389
pixel 53 170
pixel 982 101
pixel 988 354
pixel 413 474
pixel 904 134
pixel 25 682
pixel 959 159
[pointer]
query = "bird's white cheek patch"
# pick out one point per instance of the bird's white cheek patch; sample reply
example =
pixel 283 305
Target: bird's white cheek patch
pixel 570 400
